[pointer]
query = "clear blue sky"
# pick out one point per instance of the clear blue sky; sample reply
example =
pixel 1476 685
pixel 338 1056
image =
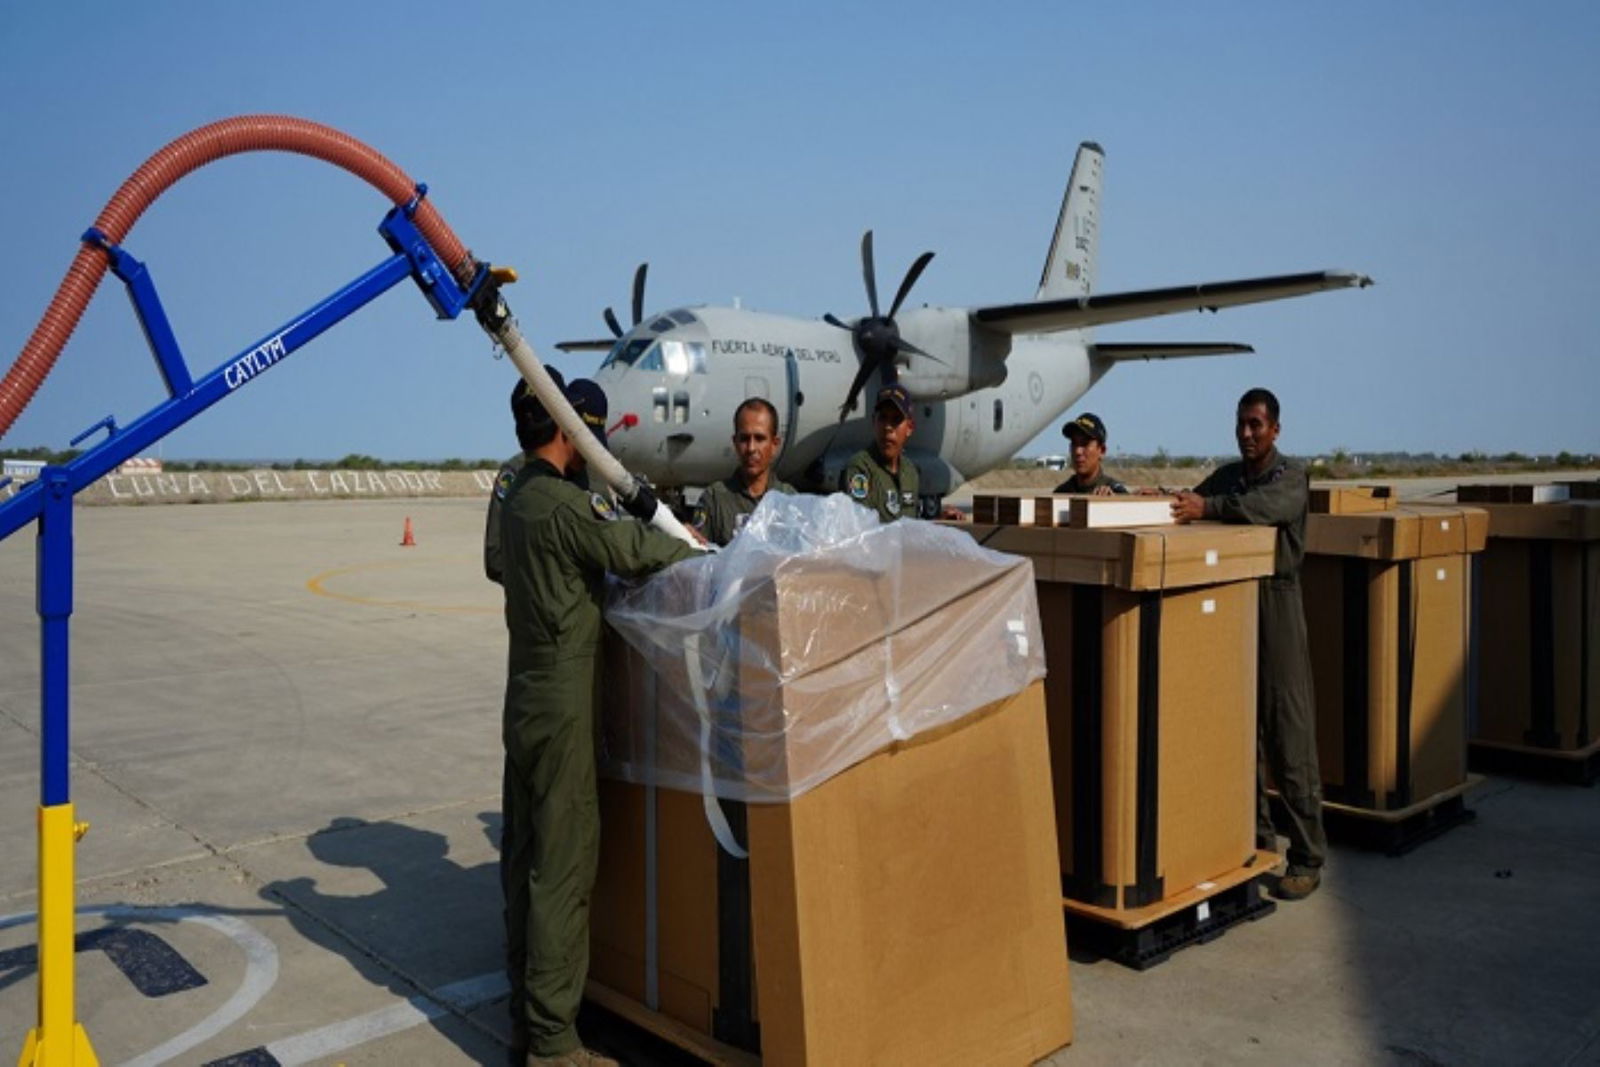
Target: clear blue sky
pixel 1450 150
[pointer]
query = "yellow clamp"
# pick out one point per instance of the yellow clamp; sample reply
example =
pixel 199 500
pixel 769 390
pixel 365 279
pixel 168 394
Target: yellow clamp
pixel 78 830
pixel 503 275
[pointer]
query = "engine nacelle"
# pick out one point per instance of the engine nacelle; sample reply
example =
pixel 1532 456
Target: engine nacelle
pixel 973 356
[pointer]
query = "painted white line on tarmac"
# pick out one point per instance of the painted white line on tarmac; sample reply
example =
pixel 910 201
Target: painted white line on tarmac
pixel 325 1041
pixel 260 972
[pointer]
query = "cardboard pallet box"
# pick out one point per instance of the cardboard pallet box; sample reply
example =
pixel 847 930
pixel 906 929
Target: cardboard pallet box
pixel 1540 611
pixel 1150 637
pixel 1388 614
pixel 900 901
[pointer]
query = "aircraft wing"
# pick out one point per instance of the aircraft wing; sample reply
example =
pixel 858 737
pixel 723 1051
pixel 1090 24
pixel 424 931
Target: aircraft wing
pixel 1072 313
pixel 1123 351
pixel 596 345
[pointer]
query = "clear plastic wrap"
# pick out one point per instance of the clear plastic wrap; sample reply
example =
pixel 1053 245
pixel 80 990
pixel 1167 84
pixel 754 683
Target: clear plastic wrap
pixel 817 638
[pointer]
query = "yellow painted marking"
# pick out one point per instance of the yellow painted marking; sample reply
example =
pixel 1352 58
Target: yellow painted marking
pixel 317 586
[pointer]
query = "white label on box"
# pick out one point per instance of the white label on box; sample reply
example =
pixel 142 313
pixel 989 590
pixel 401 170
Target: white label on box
pixel 1202 910
pixel 1205 885
pixel 1211 557
pixel 1208 607
pixel 1444 524
pixel 1439 574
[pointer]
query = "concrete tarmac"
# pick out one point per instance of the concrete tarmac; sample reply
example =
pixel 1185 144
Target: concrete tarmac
pixel 285 733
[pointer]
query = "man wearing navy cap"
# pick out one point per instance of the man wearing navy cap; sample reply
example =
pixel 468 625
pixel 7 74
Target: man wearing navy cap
pixel 1088 436
pixel 882 477
pixel 558 541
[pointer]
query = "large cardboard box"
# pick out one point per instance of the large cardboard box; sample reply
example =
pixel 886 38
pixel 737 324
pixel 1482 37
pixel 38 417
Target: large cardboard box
pixel 1540 612
pixel 906 911
pixel 1150 640
pixel 1351 500
pixel 1388 613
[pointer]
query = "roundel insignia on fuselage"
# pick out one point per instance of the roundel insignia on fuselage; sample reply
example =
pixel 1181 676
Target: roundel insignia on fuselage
pixel 858 485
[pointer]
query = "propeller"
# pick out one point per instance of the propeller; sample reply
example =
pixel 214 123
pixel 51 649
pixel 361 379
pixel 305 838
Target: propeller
pixel 611 318
pixel 877 336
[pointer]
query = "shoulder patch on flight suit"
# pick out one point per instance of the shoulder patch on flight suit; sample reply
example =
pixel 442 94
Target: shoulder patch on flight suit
pixel 602 507
pixel 502 484
pixel 858 485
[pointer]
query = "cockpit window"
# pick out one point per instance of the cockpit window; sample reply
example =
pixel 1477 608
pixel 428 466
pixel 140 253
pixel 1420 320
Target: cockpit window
pixel 627 352
pixel 662 325
pixel 674 357
pixel 682 318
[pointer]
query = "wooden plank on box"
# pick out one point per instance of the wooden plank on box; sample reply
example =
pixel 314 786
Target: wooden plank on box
pixel 1100 512
pixel 669 1030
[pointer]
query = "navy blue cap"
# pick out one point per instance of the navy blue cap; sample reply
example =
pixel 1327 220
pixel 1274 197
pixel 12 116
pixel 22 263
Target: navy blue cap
pixel 1089 425
pixel 525 403
pixel 896 395
pixel 589 401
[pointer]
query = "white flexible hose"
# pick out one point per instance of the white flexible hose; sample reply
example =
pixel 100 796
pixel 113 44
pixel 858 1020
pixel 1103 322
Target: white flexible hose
pixel 600 461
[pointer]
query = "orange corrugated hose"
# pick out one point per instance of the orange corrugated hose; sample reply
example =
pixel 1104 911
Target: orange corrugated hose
pixel 244 133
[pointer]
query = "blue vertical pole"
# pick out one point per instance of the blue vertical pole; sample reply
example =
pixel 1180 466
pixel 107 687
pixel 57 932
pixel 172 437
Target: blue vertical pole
pixel 58 1041
pixel 55 611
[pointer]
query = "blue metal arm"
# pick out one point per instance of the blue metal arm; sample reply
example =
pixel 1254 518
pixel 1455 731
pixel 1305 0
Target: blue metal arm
pixel 413 256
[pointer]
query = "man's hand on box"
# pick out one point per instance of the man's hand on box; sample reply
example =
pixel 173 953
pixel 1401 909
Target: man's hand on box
pixel 1188 506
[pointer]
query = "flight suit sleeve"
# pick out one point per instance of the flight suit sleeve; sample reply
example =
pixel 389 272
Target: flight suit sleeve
pixel 493 565
pixel 624 547
pixel 1277 502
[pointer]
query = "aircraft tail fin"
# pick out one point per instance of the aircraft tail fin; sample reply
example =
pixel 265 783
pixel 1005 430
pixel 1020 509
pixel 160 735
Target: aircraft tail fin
pixel 1069 268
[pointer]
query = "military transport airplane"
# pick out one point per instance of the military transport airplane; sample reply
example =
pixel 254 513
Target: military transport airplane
pixel 986 379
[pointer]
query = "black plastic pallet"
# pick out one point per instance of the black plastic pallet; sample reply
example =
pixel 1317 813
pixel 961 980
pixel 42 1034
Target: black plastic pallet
pixel 1395 837
pixel 1145 946
pixel 1526 763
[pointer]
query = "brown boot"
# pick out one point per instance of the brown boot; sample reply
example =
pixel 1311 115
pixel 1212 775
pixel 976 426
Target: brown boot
pixel 1298 883
pixel 580 1057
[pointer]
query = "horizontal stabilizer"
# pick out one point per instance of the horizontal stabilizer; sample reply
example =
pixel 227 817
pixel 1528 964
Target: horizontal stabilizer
pixel 1075 313
pixel 587 346
pixel 1164 350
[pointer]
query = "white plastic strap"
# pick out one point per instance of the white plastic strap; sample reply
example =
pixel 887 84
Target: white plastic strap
pixel 708 794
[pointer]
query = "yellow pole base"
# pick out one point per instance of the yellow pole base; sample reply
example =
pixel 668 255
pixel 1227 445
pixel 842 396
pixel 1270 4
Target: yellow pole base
pixel 59 1040
pixel 51 1053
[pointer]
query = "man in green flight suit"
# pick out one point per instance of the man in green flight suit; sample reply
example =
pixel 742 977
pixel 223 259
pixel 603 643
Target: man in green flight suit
pixel 882 478
pixel 1088 436
pixel 1267 489
pixel 725 505
pixel 558 541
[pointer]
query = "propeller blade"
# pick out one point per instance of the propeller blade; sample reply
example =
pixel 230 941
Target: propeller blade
pixel 869 272
pixel 638 293
pixel 906 346
pixel 831 321
pixel 911 279
pixel 611 321
pixel 862 374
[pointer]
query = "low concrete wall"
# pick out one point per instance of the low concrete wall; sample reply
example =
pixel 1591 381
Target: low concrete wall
pixel 199 487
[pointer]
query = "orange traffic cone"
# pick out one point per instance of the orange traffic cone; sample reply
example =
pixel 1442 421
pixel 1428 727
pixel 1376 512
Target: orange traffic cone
pixel 406 540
